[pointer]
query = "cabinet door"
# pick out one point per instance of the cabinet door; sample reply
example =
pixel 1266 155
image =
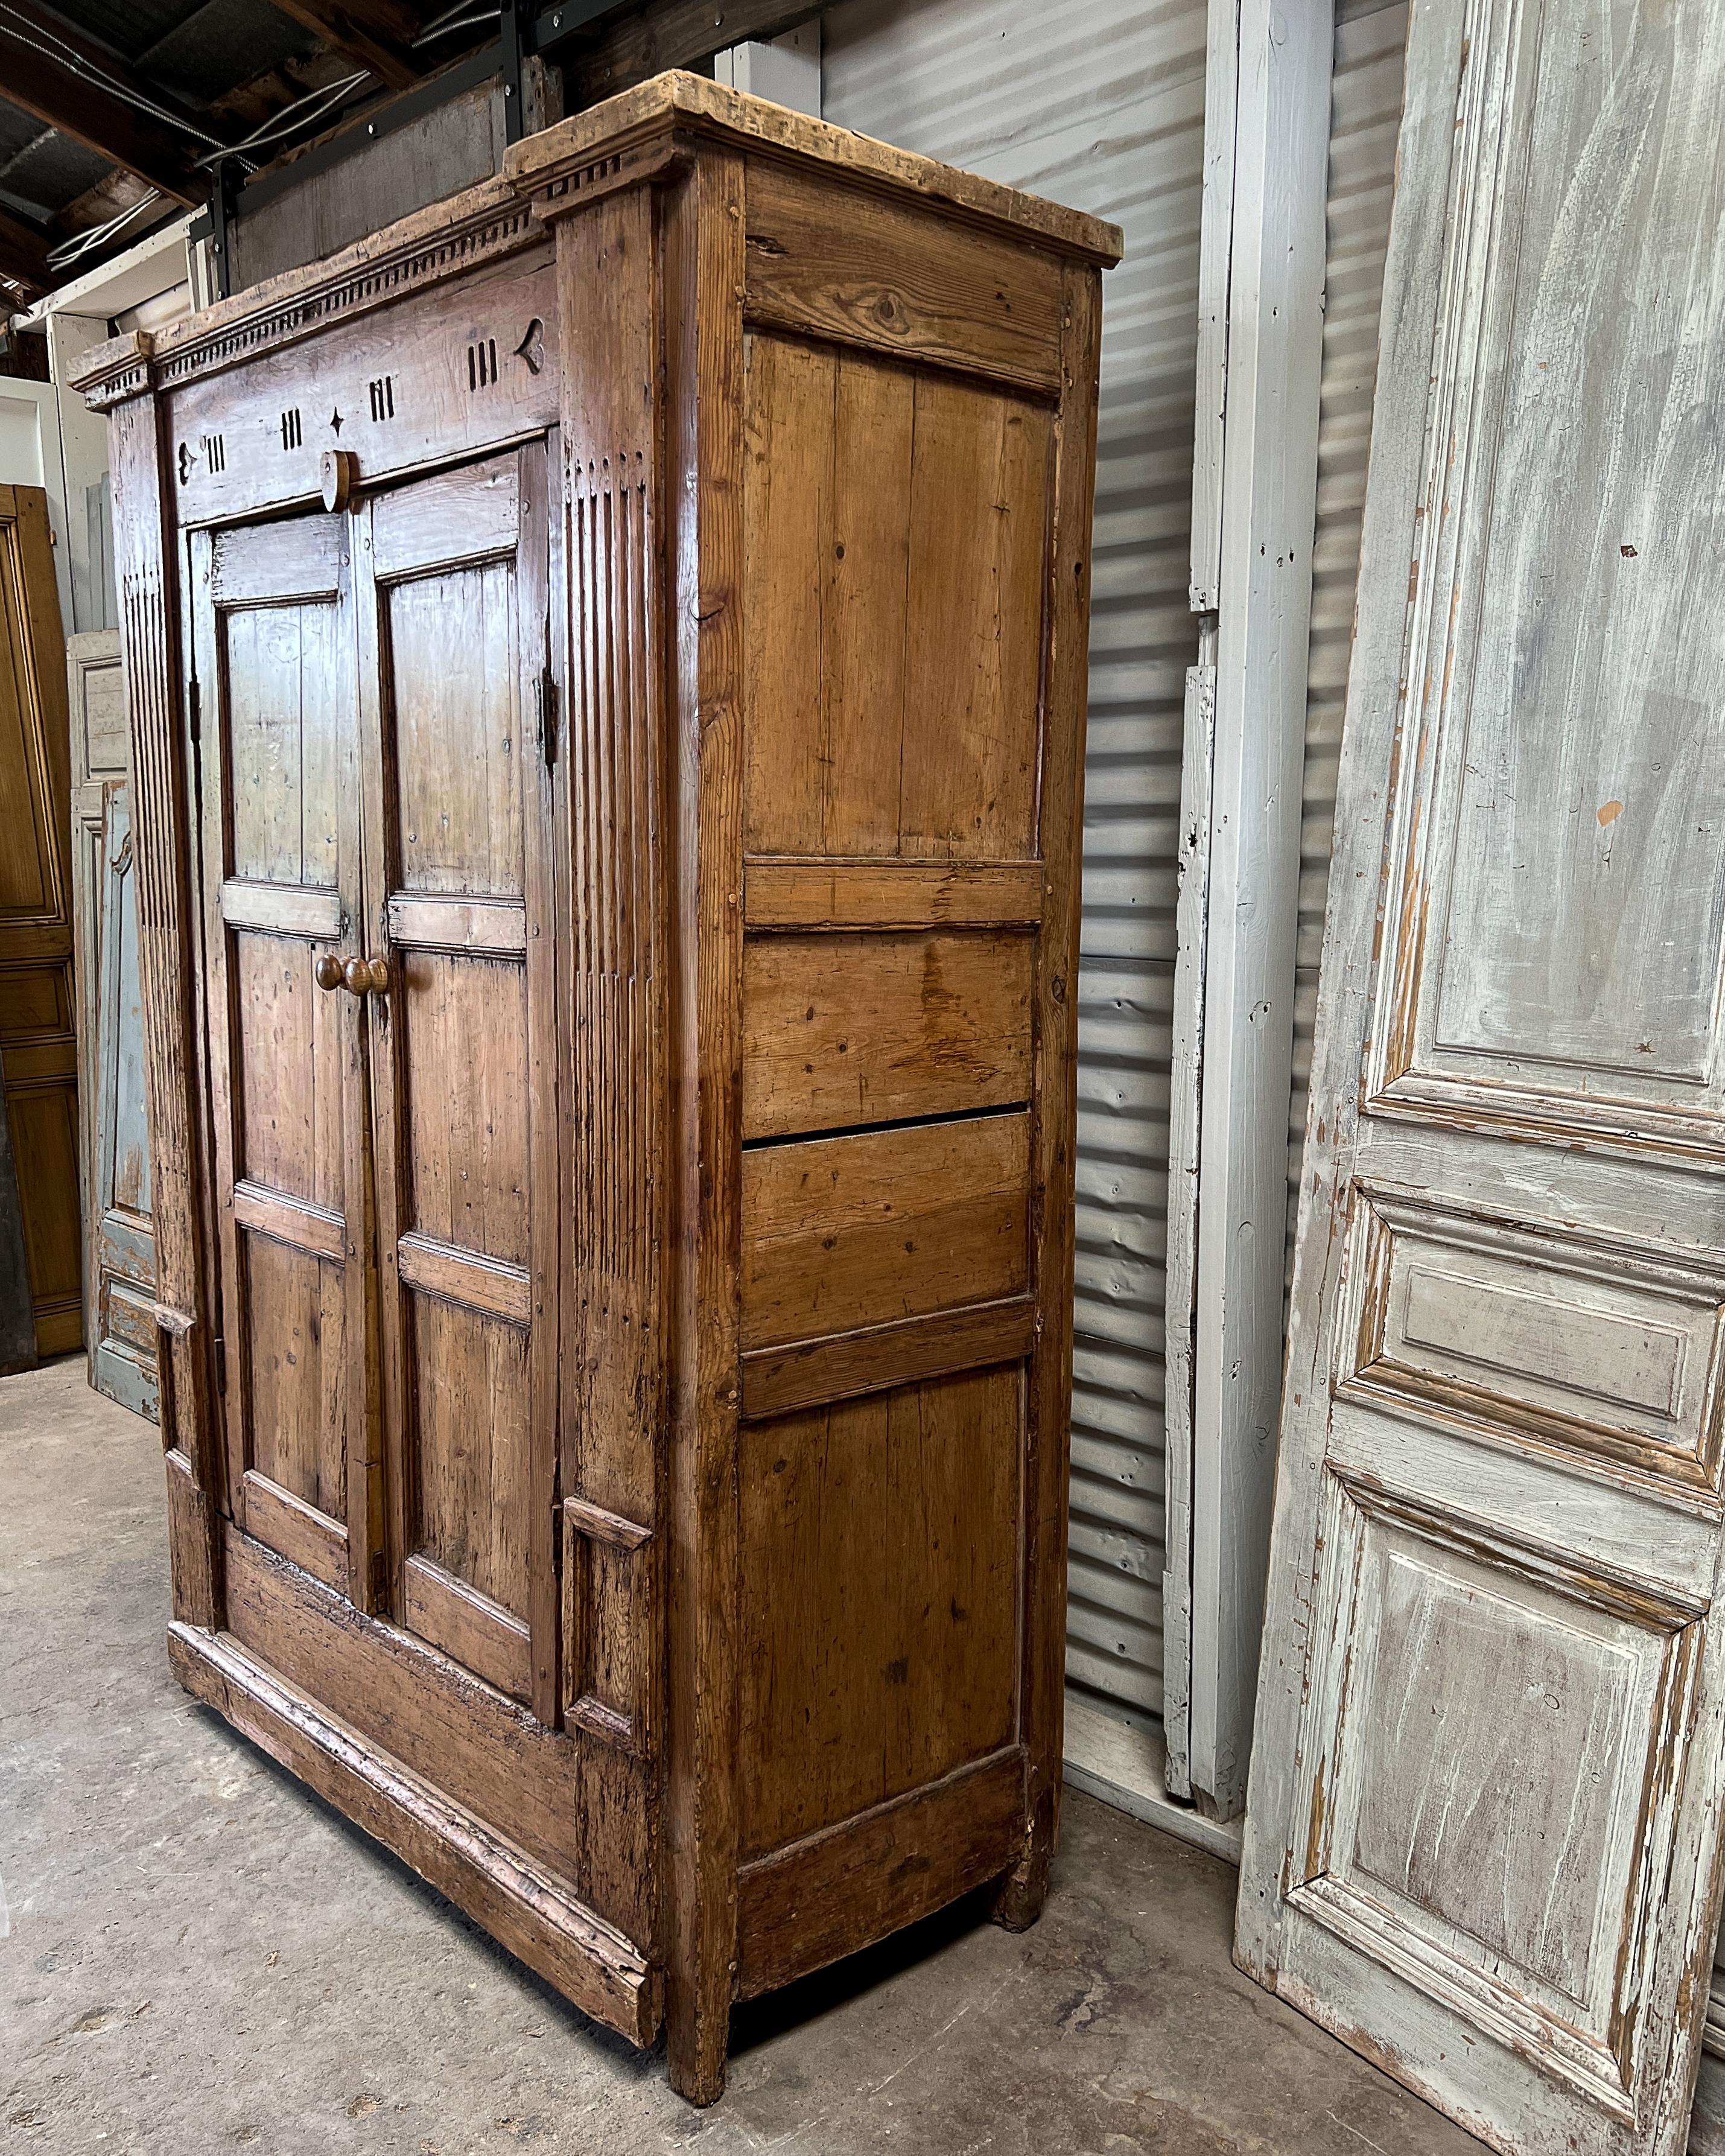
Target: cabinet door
pixel 273 632
pixel 454 696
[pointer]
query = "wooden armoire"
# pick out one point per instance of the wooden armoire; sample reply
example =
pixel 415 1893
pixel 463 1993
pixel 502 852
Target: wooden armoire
pixel 606 666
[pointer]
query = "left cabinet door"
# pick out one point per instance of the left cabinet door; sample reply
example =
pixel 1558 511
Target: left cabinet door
pixel 278 742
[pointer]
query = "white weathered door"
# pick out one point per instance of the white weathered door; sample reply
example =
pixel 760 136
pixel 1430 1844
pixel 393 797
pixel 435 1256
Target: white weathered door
pixel 1483 1826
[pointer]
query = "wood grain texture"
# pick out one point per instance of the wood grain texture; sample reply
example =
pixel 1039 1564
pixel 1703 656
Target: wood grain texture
pixel 615 1375
pixel 481 1872
pixel 846 1029
pixel 1049 1409
pixel 694 105
pixel 825 1897
pixel 842 1233
pixel 704 279
pixel 39 1054
pixel 272 636
pixel 875 1663
pixel 847 894
pixel 896 537
pixel 863 272
pixel 837 1366
pixel 169 957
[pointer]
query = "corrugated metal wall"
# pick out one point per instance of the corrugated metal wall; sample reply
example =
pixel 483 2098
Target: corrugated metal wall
pixel 1100 105
pixel 1365 116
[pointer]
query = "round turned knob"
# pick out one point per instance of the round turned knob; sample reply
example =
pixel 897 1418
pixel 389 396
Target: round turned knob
pixel 327 972
pixel 365 976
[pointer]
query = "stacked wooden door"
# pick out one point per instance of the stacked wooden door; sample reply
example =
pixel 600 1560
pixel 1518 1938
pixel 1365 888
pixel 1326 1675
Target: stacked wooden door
pixel 119 1233
pixel 1483 1839
pixel 38 1028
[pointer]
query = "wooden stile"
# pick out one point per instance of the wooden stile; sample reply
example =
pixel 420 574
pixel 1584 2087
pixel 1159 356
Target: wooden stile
pixel 608 899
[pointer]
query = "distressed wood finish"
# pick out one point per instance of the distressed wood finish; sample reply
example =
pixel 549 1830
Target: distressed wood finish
pixel 611 1042
pixel 39 1050
pixel 1483 1829
pixel 113 1124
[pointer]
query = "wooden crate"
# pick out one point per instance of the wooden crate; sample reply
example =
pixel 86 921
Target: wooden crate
pixel 610 1012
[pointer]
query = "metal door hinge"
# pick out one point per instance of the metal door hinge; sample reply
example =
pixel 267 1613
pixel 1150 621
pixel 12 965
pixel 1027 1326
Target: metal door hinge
pixel 195 696
pixel 547 699
pixel 221 1364
pixel 380 1580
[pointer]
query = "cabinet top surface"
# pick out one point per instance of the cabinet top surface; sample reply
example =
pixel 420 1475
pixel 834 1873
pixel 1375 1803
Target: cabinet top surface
pixel 497 216
pixel 696 105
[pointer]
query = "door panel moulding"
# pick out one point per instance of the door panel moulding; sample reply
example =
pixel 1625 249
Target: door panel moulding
pixel 1255 479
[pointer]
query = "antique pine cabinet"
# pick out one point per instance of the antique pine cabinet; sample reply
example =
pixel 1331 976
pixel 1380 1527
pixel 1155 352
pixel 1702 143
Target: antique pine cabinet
pixel 605 661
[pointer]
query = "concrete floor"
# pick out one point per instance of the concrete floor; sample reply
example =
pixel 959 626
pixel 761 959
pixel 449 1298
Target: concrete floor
pixel 201 1957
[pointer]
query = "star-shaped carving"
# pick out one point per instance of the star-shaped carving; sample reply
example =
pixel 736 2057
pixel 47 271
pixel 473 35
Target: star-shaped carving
pixel 336 421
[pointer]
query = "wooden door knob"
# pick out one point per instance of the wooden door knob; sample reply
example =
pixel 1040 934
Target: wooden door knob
pixel 365 976
pixel 327 972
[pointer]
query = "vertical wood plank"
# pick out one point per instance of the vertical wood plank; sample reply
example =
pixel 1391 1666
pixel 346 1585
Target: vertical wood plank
pixel 1054 1020
pixel 704 283
pixel 1185 1097
pixel 167 963
pixel 863 644
pixel 616 1335
pixel 1269 481
pixel 789 523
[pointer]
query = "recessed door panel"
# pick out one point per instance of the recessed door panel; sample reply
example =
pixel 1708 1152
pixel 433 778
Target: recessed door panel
pixel 277 697
pixel 462 1038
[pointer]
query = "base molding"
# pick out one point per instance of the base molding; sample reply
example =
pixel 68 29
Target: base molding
pixel 844 1887
pixel 524 1908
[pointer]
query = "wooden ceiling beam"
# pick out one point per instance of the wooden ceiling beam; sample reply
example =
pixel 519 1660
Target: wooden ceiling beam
pixel 378 35
pixel 632 44
pixel 47 69
pixel 23 255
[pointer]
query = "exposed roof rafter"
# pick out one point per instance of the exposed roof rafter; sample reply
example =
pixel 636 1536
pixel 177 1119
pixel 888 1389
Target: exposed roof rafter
pixel 23 255
pixel 76 86
pixel 377 33
pixel 632 43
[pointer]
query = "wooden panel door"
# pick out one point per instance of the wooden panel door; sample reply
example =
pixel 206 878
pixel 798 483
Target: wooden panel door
pixel 120 1320
pixel 1483 1836
pixel 119 1237
pixel 277 706
pixel 38 1049
pixel 457 708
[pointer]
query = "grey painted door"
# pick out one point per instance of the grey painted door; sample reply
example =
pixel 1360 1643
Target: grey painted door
pixel 122 1260
pixel 1483 1828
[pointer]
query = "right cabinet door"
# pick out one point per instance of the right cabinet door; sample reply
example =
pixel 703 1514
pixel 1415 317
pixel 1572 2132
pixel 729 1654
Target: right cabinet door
pixel 1482 1841
pixel 456 705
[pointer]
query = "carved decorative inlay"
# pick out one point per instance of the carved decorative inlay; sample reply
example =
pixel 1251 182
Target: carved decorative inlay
pixel 215 455
pixel 184 460
pixel 290 429
pixel 482 363
pixel 532 347
pixel 382 393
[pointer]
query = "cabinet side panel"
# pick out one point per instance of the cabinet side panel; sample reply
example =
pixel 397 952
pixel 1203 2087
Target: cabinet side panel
pixel 917 597
pixel 615 1359
pixel 879 1599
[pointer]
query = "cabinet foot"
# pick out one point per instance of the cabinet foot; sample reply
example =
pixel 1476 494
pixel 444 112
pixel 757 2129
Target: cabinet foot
pixel 696 2045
